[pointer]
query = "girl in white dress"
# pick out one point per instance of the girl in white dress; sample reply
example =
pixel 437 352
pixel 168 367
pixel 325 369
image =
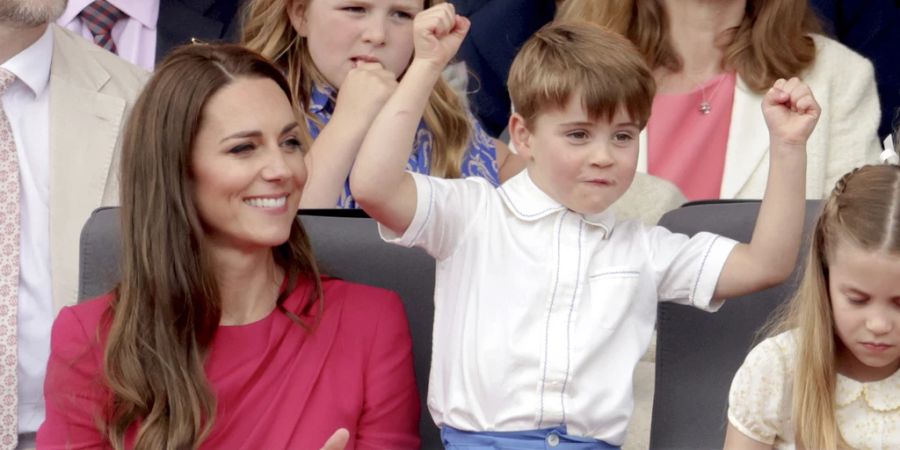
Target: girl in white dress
pixel 827 377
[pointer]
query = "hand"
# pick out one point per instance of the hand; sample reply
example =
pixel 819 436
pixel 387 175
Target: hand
pixel 364 91
pixel 791 111
pixel 338 440
pixel 438 32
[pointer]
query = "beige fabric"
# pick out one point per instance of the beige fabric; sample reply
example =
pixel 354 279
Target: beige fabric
pixel 647 199
pixel 91 93
pixel 845 137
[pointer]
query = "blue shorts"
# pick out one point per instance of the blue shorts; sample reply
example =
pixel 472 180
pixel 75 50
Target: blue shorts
pixel 543 439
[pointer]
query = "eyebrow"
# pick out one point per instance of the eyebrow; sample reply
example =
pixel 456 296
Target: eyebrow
pixel 590 124
pixel 257 133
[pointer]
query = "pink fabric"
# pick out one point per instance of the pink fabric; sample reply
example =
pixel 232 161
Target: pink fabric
pixel 686 146
pixel 277 386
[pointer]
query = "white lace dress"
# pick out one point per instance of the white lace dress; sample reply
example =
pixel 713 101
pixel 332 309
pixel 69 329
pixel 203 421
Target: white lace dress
pixel 868 414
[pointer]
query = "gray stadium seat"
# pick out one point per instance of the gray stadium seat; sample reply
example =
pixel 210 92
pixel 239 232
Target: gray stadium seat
pixel 346 245
pixel 697 353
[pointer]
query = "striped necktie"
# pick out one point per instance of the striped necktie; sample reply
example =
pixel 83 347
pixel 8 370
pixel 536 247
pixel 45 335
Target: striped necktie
pixel 100 17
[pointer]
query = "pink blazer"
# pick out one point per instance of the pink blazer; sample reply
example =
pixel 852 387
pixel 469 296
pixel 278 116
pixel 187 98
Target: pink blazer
pixel 276 385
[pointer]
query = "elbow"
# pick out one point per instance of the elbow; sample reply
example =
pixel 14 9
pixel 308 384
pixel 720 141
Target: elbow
pixel 777 272
pixel 364 189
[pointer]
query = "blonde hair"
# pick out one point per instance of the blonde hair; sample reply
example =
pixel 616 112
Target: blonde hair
pixel 771 42
pixel 864 210
pixel 268 30
pixel 563 59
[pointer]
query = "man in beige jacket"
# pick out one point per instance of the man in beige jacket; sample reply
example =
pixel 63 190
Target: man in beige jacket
pixel 66 107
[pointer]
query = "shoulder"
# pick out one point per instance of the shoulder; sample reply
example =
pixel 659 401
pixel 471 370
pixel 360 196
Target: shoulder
pixel 85 316
pixel 833 57
pixel 363 309
pixel 72 53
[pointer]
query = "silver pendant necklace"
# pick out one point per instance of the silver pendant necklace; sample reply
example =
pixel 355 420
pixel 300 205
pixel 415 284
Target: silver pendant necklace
pixel 705 107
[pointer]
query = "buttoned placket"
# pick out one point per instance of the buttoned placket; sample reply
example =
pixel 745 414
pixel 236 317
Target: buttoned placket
pixel 560 307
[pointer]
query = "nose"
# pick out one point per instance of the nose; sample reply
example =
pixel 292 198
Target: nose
pixel 275 167
pixel 374 32
pixel 880 324
pixel 601 156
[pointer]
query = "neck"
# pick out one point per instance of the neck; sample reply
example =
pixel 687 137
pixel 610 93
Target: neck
pixel 696 28
pixel 15 39
pixel 248 284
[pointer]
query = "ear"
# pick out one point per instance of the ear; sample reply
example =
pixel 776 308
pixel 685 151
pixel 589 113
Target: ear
pixel 296 11
pixel 520 136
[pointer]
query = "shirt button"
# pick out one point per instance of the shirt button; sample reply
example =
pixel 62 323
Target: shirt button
pixel 553 440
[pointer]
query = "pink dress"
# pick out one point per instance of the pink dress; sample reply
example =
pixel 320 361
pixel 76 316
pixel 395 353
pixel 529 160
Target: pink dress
pixel 277 386
pixel 686 146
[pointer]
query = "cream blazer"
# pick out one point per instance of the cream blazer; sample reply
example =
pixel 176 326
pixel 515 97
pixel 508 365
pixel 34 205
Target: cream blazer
pixel 845 137
pixel 91 93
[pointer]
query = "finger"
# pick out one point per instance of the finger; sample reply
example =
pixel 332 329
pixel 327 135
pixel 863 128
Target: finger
pixel 776 96
pixel 779 83
pixel 338 440
pixel 369 65
pixel 462 26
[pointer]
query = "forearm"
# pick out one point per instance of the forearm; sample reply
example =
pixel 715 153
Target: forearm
pixel 379 168
pixel 779 227
pixel 330 160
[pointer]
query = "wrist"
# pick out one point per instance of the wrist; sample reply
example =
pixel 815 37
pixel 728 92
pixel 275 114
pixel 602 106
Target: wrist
pixel 425 67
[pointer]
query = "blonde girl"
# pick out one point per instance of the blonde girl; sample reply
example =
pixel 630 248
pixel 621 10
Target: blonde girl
pixel 827 377
pixel 713 62
pixel 343 59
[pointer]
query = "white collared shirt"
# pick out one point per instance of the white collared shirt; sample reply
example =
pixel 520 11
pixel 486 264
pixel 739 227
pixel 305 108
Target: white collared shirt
pixel 135 35
pixel 541 313
pixel 27 106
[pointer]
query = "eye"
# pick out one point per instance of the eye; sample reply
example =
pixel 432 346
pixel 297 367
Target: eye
pixel 623 137
pixel 856 300
pixel 405 15
pixel 354 9
pixel 292 143
pixel 241 149
pixel 578 135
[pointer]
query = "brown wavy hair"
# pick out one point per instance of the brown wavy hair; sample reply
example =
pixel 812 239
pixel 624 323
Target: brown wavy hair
pixel 862 210
pixel 563 59
pixel 772 41
pixel 167 307
pixel 268 30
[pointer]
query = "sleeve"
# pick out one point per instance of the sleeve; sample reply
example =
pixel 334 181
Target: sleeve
pixel 73 392
pixel 687 269
pixel 853 127
pixel 757 395
pixel 390 417
pixel 445 210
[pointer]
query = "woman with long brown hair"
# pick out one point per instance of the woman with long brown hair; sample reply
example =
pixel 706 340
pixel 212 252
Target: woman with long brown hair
pixel 222 333
pixel 713 61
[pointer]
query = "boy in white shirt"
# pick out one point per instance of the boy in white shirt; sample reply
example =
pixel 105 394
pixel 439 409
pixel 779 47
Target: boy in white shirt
pixel 544 303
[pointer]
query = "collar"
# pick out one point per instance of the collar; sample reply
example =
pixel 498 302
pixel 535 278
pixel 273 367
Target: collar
pixel 321 99
pixel 528 202
pixel 881 396
pixel 32 65
pixel 144 11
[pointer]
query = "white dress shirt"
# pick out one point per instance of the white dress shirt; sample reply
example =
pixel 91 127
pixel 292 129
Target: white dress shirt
pixel 541 313
pixel 27 106
pixel 135 35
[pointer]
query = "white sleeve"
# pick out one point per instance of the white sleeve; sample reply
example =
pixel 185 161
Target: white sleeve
pixel 756 402
pixel 687 269
pixel 445 210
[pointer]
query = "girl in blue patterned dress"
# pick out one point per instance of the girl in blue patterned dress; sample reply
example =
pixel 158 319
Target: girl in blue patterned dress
pixel 343 58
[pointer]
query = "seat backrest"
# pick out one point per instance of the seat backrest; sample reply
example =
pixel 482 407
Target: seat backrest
pixel 697 353
pixel 346 245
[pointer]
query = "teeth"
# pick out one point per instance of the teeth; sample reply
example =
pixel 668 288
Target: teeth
pixel 266 202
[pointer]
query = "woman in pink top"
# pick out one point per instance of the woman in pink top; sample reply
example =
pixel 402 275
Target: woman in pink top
pixel 222 334
pixel 713 61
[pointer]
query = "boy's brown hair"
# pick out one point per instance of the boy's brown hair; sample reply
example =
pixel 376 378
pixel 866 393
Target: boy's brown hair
pixel 565 59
